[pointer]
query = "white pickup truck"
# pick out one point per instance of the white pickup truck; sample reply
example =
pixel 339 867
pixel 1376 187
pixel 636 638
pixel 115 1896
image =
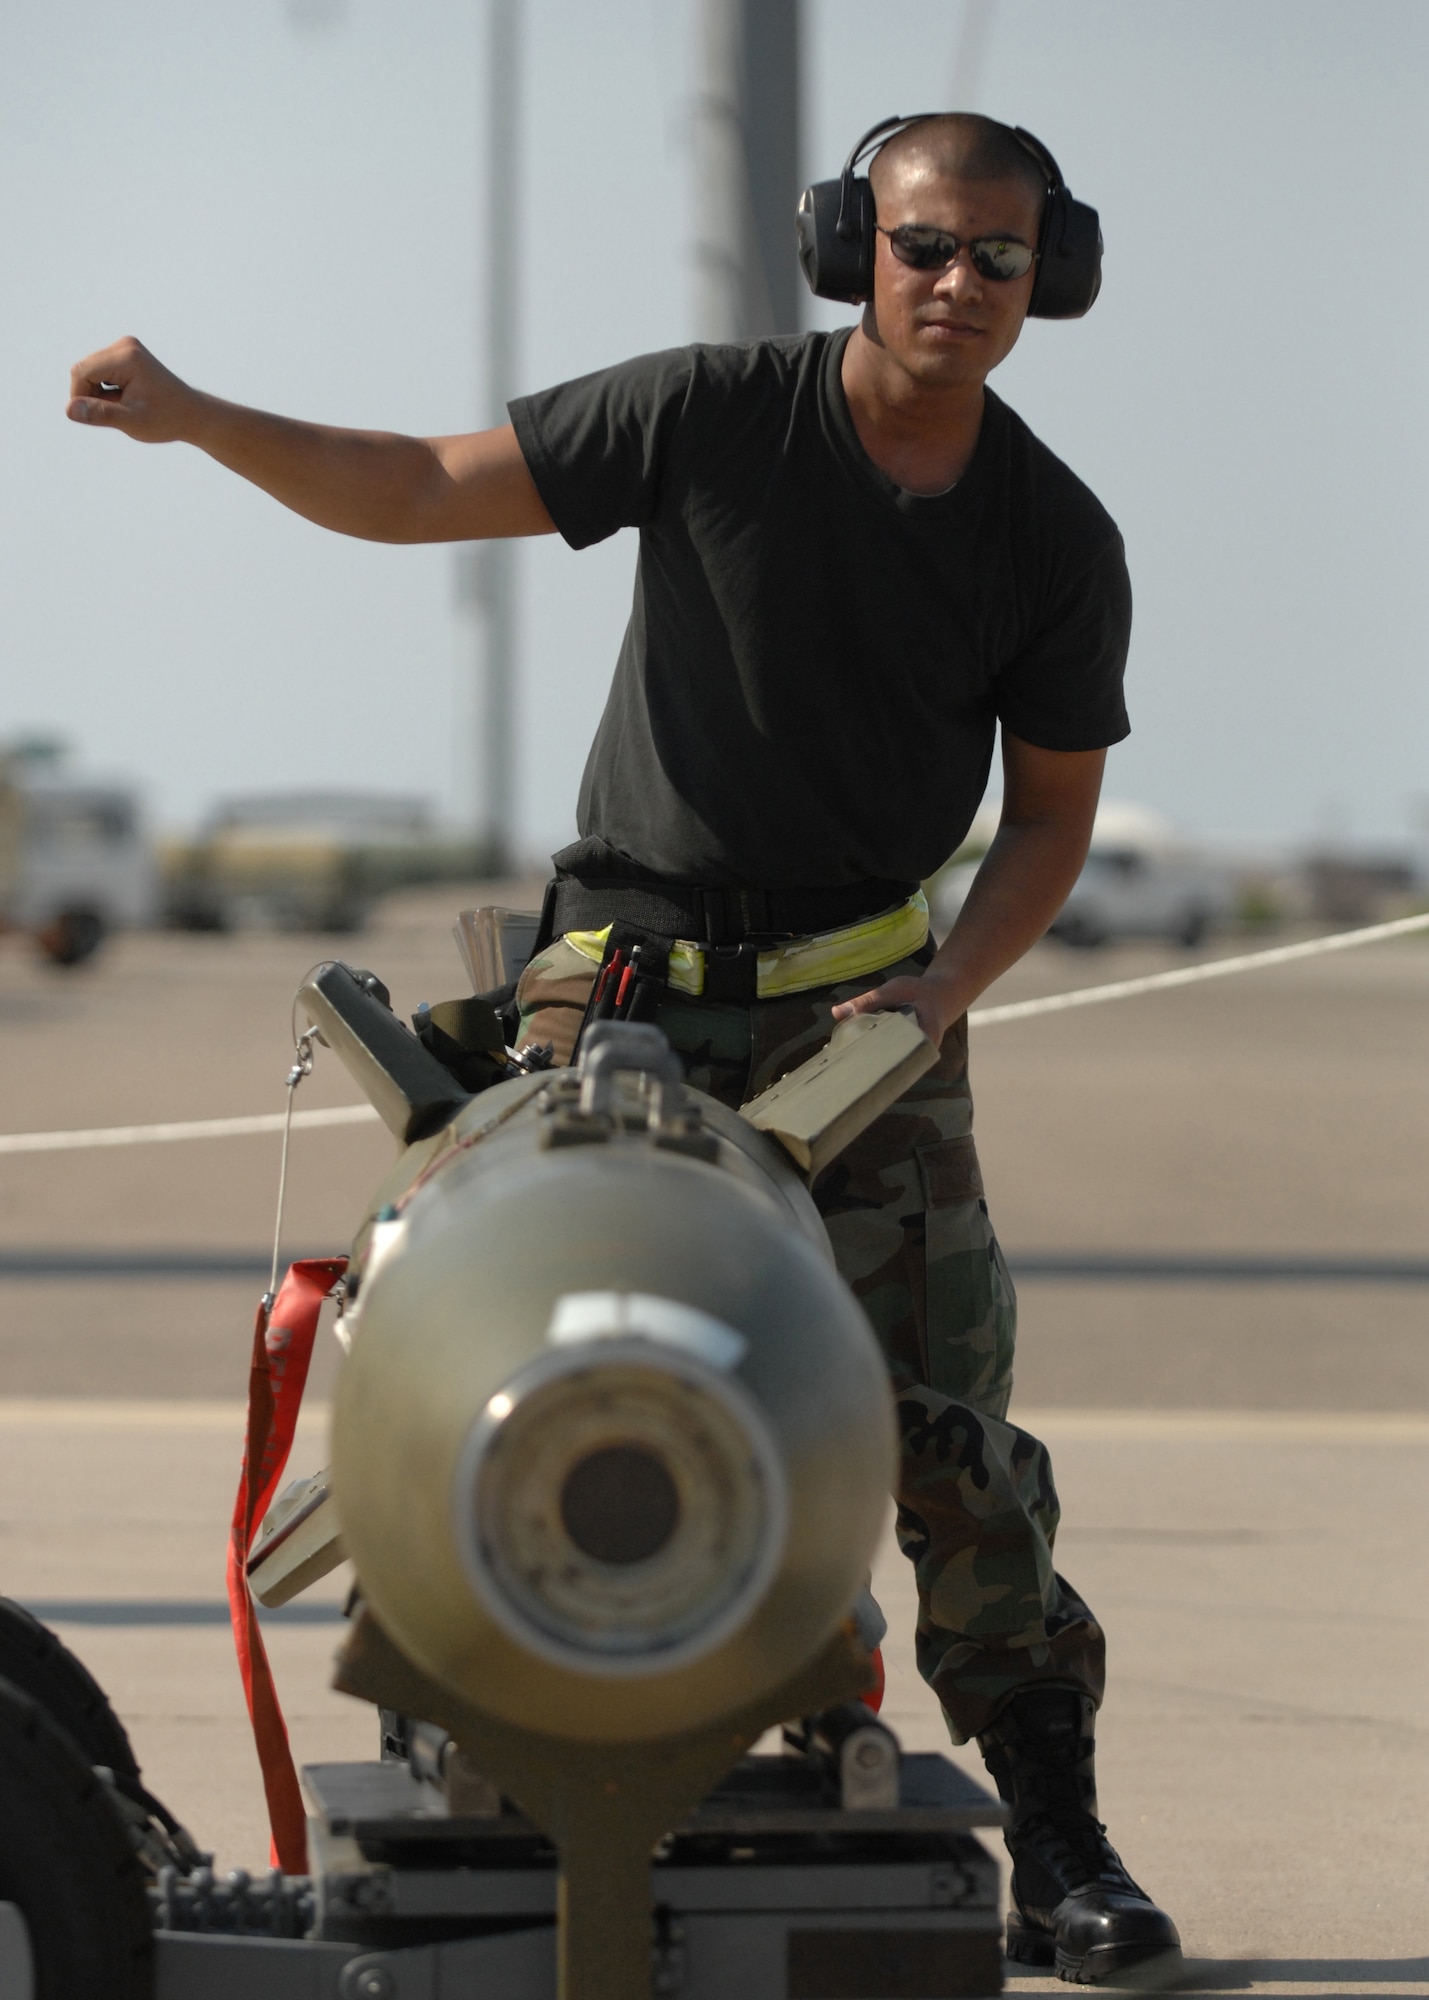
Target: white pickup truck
pixel 1139 881
pixel 75 860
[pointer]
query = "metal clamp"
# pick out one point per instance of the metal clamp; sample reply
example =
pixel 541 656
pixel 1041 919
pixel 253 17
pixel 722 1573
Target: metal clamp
pixel 612 1048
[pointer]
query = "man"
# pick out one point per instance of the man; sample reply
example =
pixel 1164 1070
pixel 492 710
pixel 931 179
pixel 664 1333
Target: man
pixel 855 563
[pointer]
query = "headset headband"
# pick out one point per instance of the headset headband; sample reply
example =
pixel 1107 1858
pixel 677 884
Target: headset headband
pixel 884 130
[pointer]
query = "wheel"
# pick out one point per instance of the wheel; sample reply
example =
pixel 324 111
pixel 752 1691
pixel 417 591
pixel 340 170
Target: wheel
pixel 197 913
pixel 41 1666
pixel 344 920
pixel 1081 930
pixel 1192 928
pixel 71 937
pixel 67 1866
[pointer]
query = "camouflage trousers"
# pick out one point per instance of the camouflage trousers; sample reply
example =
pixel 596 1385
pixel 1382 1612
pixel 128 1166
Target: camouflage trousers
pixel 977 1511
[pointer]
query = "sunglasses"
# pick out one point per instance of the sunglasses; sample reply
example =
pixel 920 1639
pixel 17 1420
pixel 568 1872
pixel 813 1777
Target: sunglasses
pixel 924 248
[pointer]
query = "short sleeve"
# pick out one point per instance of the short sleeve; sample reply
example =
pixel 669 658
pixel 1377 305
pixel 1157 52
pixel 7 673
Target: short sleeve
pixel 596 447
pixel 1063 691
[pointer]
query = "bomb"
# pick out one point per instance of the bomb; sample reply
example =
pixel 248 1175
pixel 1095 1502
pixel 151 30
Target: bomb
pixel 612 1444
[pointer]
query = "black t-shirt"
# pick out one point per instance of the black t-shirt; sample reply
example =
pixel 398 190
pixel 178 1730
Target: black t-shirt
pixel 816 661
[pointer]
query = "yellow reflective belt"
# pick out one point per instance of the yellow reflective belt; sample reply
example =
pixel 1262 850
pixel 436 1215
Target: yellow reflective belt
pixel 826 959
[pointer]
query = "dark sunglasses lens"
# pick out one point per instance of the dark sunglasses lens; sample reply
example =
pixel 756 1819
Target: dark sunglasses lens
pixel 928 249
pixel 1001 257
pixel 923 249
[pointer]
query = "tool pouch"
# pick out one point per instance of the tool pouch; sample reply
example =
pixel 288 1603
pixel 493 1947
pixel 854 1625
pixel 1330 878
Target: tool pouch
pixel 631 978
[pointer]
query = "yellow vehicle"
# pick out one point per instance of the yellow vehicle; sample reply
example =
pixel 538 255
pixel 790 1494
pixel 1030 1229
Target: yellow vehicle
pixel 306 861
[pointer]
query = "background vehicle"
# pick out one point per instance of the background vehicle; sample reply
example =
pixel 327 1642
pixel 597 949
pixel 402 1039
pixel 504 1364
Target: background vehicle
pixel 1139 881
pixel 75 859
pixel 298 861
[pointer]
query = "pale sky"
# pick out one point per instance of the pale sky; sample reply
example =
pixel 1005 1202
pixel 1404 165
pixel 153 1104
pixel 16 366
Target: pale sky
pixel 285 202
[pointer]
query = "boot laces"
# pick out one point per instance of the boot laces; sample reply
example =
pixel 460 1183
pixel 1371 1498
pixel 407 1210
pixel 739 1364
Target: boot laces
pixel 1075 1848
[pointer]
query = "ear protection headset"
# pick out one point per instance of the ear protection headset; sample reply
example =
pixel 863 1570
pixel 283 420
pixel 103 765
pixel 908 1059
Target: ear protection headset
pixel 836 232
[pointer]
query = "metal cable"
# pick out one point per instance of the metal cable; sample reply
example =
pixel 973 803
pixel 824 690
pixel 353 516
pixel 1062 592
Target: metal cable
pixel 981 1017
pixel 1193 975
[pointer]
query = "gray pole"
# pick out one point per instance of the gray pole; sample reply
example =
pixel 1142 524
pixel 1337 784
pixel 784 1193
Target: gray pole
pixel 970 56
pixel 746 169
pixel 497 559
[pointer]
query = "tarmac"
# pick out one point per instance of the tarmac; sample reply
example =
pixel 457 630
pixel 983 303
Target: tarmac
pixel 1215 1198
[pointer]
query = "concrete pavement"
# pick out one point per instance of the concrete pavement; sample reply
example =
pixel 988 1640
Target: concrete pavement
pixel 1281 1113
pixel 1241 1464
pixel 1264 1750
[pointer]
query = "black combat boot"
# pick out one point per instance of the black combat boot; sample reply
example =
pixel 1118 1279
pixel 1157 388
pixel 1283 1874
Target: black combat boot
pixel 1074 1905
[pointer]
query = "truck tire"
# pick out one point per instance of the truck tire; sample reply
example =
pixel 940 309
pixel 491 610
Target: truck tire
pixel 1081 930
pixel 67 1865
pixel 43 1667
pixel 72 937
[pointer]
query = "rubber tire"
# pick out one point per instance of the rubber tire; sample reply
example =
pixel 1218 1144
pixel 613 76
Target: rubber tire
pixel 66 1862
pixel 43 1667
pixel 1082 933
pixel 72 937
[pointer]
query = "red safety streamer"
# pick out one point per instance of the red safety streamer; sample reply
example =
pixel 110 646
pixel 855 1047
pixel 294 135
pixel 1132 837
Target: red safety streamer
pixel 282 1350
pixel 872 1697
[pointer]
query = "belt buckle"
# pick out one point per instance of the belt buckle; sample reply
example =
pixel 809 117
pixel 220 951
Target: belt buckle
pixel 731 973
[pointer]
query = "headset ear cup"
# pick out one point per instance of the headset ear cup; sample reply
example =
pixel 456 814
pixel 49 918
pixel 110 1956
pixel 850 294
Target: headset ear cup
pixel 836 267
pixel 1069 271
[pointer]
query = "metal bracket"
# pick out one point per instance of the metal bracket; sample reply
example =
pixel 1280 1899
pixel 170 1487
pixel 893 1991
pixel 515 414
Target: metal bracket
pixel 631 1048
pixel 588 1107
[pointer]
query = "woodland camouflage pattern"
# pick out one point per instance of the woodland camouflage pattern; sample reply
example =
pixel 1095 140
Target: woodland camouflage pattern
pixel 904 1208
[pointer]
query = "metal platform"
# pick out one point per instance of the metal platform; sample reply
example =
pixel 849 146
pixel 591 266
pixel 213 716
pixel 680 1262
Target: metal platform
pixel 770 1890
pixel 762 1794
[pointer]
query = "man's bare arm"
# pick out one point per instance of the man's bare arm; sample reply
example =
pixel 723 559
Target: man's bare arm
pixel 1049 800
pixel 375 484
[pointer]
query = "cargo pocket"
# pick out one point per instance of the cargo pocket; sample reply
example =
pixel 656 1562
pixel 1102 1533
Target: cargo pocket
pixel 971 1305
pixel 551 994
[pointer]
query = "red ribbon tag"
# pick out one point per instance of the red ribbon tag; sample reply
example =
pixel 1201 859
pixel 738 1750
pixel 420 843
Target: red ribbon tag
pixel 282 1350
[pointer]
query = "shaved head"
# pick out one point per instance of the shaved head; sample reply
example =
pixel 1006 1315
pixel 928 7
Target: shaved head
pixel 958 145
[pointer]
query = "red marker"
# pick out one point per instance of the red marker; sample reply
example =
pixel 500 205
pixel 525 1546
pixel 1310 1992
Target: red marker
pixel 611 966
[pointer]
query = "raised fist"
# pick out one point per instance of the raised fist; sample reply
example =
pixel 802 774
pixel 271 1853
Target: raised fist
pixel 124 387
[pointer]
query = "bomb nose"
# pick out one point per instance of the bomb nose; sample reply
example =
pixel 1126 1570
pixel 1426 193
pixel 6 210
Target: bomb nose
pixel 620 1505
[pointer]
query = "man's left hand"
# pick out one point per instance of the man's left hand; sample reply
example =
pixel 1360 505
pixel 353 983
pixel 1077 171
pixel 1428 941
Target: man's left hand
pixel 934 1002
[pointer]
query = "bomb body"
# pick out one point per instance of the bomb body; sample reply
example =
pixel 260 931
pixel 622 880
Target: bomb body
pixel 612 1443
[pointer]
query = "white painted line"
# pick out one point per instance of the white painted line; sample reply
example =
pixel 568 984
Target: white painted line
pixel 193 1128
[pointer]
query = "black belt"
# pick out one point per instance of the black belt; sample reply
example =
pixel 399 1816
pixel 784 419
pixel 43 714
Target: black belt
pixel 716 916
